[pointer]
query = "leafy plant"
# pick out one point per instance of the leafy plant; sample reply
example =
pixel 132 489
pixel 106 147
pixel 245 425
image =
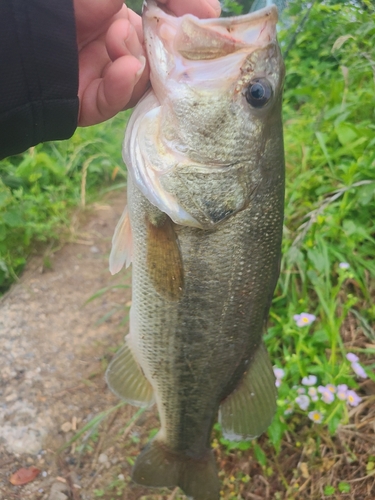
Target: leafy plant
pixel 40 188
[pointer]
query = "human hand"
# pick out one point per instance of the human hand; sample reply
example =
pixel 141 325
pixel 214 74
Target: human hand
pixel 113 74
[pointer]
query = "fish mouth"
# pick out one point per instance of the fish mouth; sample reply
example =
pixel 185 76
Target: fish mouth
pixel 201 39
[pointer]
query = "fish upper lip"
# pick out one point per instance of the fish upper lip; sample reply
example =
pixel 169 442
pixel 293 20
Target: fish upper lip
pixel 269 12
pixel 229 27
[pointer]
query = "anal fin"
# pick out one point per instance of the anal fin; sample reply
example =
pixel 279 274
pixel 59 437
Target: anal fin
pixel 249 410
pixel 125 379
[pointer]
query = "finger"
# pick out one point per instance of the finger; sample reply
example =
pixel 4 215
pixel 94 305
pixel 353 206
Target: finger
pixel 105 97
pixel 93 16
pixel 122 40
pixel 93 60
pixel 136 21
pixel 200 8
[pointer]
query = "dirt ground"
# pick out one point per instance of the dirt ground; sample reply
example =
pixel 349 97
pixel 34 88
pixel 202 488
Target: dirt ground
pixel 53 352
pixel 54 348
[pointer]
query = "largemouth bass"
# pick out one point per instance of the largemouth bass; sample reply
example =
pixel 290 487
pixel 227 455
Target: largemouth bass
pixel 203 228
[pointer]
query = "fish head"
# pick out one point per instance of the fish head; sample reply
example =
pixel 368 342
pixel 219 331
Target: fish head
pixel 219 82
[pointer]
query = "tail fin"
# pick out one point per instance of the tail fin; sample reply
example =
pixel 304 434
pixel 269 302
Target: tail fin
pixel 158 466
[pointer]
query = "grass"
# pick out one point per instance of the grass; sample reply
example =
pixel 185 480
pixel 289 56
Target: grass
pixel 40 188
pixel 319 446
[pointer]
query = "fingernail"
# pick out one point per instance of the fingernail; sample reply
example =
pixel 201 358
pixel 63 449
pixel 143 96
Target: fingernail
pixel 215 4
pixel 138 74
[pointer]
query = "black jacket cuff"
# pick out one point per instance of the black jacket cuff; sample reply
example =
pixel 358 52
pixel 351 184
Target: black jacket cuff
pixel 39 81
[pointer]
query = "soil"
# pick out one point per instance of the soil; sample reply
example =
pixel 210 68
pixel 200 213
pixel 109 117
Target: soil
pixel 54 347
pixel 57 414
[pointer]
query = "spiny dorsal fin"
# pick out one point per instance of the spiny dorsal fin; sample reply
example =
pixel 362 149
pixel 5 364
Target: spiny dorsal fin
pixel 122 244
pixel 249 410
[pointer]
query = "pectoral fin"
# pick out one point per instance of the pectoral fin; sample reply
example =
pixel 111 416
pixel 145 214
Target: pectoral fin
pixel 164 260
pixel 122 244
pixel 249 410
pixel 125 378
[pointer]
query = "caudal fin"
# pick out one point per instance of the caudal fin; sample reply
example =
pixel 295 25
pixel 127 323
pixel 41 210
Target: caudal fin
pixel 158 466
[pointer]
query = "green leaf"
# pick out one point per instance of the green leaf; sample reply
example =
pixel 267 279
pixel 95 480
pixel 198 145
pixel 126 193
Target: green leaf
pixel 276 431
pixel 5 198
pixel 3 231
pixel 329 490
pixel 344 487
pixel 259 454
pixel 13 218
pixel 346 133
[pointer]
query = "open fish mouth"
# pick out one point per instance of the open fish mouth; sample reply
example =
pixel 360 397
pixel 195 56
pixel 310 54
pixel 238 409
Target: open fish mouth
pixel 203 39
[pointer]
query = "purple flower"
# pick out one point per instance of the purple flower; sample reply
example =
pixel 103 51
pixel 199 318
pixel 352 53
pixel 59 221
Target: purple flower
pixel 327 395
pixel 310 380
pixel 304 319
pixel 352 357
pixel 279 374
pixel 303 401
pixel 342 390
pixel 358 370
pixel 315 416
pixel 288 409
pixel 301 390
pixel 331 388
pixel 344 265
pixel 313 393
pixel 353 398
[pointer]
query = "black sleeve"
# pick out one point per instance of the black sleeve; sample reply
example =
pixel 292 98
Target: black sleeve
pixel 39 73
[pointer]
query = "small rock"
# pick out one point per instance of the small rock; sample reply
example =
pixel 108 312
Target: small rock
pixel 66 427
pixel 59 491
pixel 11 397
pixel 58 495
pixel 94 249
pixel 103 459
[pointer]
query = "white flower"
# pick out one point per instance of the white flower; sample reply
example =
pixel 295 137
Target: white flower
pixel 303 402
pixel 352 357
pixel 353 398
pixel 344 265
pixel 310 380
pixel 315 416
pixel 304 319
pixel 358 370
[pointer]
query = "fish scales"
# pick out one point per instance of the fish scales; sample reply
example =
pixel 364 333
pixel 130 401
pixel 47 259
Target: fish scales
pixel 203 229
pixel 224 301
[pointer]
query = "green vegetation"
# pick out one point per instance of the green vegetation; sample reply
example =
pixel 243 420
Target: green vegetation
pixel 329 117
pixel 40 188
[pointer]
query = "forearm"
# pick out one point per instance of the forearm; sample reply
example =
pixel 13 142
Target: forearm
pixel 39 77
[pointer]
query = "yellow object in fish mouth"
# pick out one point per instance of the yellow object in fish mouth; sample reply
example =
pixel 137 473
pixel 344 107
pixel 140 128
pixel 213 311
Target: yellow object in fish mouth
pixel 203 228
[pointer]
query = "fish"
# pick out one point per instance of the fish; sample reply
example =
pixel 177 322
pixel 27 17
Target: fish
pixel 203 230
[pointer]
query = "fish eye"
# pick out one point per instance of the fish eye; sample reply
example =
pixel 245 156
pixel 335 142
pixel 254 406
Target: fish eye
pixel 258 92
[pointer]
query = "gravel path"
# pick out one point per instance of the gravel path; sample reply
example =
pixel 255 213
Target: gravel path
pixel 51 350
